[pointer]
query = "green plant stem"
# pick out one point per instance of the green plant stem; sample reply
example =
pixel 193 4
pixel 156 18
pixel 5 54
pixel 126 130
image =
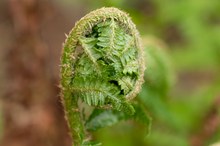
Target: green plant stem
pixel 74 118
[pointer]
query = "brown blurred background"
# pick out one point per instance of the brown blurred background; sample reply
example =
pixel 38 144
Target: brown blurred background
pixel 32 32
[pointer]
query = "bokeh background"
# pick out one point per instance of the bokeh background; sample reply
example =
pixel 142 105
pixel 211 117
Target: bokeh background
pixel 183 99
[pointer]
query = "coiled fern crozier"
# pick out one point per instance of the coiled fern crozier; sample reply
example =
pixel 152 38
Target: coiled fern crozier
pixel 101 65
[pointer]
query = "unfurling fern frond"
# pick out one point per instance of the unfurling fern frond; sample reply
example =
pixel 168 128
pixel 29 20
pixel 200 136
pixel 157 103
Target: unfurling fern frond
pixel 102 64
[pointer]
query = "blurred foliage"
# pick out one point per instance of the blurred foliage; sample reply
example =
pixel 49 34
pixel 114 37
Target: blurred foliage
pixel 182 77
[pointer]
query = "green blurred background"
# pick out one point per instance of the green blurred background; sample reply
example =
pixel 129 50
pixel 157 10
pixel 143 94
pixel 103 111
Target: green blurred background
pixel 182 87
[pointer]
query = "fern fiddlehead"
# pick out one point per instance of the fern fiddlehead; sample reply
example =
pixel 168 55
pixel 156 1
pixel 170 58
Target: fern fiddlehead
pixel 102 65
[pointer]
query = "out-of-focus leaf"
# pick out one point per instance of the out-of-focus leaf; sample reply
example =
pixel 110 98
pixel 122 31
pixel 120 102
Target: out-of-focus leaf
pixel 91 143
pixel 159 78
pixel 166 138
pixel 159 75
pixel 142 117
pixel 102 118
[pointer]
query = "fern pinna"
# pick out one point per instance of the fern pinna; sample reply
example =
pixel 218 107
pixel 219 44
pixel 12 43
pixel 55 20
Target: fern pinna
pixel 101 65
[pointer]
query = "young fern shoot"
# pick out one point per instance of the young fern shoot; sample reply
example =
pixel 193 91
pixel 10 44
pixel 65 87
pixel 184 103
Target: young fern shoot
pixel 101 65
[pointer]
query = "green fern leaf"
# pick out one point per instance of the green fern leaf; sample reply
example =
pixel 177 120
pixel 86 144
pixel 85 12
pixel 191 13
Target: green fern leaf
pixel 142 117
pixel 102 64
pixel 109 55
pixel 92 53
pixel 131 67
pixel 88 45
pixel 103 118
pixel 92 91
pixel 91 143
pixel 97 92
pixel 111 38
pixel 84 67
pixel 128 55
pixel 126 84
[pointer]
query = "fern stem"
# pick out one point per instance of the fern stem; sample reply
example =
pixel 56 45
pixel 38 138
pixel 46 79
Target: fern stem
pixel 74 119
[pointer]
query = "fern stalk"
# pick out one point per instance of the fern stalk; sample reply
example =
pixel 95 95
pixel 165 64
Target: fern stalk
pixel 102 65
